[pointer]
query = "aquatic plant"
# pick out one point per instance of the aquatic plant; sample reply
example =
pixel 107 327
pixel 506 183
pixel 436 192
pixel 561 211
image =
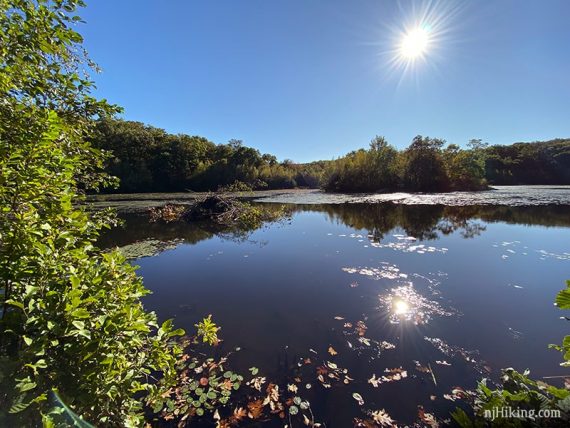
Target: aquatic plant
pixel 519 392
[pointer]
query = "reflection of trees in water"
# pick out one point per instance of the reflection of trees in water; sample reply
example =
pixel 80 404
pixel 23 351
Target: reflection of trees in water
pixel 425 222
pixel 428 222
pixel 136 227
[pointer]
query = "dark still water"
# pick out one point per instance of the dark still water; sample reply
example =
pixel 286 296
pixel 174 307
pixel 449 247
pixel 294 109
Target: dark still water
pixel 464 291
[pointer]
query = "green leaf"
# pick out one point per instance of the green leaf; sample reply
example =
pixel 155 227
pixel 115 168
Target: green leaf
pixel 462 418
pixel 75 281
pixel 563 298
pixel 177 332
pixel 26 386
pixel 79 325
pixel 19 407
pixel 80 313
pixel 12 302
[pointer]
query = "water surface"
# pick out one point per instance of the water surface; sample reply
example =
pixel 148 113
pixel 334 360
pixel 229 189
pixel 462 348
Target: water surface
pixel 465 290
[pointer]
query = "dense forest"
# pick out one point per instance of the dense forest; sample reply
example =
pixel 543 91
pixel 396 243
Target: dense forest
pixel 148 159
pixel 545 162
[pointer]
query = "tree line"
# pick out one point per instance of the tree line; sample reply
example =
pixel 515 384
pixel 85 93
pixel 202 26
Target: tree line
pixel 546 162
pixel 429 165
pixel 148 159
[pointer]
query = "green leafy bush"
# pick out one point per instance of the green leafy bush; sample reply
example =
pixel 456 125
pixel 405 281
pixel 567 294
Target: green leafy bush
pixel 72 323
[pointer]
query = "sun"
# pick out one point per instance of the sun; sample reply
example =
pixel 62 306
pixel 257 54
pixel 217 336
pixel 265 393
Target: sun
pixel 415 43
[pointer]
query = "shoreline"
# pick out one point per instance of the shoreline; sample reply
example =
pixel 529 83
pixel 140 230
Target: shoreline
pixel 498 195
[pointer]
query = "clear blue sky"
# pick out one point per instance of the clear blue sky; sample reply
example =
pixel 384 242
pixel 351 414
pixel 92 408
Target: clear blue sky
pixel 314 79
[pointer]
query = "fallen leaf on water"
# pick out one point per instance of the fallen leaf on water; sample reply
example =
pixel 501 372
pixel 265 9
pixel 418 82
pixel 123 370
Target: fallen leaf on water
pixel 292 388
pixel 256 382
pixel 361 328
pixel 427 418
pixel 358 398
pixel 338 318
pixel 374 381
pixel 332 351
pixel 239 413
pixel 458 393
pixel 382 418
pixel 272 392
pixel 255 409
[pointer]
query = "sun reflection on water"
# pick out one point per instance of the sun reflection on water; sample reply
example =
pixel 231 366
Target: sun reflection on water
pixel 400 307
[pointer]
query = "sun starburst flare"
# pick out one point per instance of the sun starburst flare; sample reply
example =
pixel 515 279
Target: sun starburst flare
pixel 415 43
pixel 422 37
